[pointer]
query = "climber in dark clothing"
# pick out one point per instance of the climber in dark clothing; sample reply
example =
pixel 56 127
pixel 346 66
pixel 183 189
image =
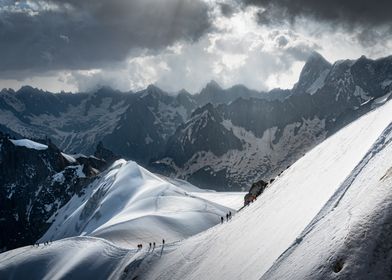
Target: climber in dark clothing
pixel 230 215
pixel 163 241
pixel 221 220
pixel 154 245
pixel 227 217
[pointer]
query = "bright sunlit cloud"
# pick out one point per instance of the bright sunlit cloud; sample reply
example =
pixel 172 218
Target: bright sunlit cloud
pixel 230 46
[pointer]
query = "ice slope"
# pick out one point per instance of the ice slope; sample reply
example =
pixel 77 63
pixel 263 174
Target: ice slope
pixel 247 246
pixel 129 205
pixel 352 237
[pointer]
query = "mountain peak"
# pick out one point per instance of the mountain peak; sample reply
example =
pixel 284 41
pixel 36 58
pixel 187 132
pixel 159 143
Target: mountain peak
pixel 315 69
pixel 153 90
pixel 183 92
pixel 316 58
pixel 103 91
pixel 213 85
pixel 211 93
pixel 28 89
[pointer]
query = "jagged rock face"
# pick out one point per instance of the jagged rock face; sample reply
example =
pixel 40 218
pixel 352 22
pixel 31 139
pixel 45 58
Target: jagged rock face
pixel 203 132
pixel 35 181
pixel 105 154
pixel 313 74
pixel 133 125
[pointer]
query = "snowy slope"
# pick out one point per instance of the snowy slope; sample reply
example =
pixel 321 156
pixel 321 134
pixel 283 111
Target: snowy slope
pixel 129 205
pixel 323 204
pixel 249 245
pixel 351 238
pixel 233 200
pixel 72 258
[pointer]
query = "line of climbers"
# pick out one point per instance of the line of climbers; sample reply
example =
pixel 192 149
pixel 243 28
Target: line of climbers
pixel 151 245
pixel 45 243
pixel 228 217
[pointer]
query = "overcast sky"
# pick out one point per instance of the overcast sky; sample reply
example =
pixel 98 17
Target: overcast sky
pixel 75 45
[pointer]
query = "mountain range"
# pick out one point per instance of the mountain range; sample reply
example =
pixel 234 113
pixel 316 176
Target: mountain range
pixel 328 216
pixel 223 139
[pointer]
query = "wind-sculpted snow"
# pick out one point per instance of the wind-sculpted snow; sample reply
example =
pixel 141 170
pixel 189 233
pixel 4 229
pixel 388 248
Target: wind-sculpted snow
pixel 129 205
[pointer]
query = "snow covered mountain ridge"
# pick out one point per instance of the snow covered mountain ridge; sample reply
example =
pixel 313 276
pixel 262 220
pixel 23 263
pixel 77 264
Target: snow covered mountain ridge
pixel 47 193
pixel 128 205
pixel 243 136
pixel 326 217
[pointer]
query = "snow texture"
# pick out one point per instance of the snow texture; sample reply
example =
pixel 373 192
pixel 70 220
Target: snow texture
pixel 129 205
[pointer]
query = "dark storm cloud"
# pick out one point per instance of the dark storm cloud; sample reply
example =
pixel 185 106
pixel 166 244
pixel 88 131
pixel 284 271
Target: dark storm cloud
pixel 74 34
pixel 347 12
pixel 226 9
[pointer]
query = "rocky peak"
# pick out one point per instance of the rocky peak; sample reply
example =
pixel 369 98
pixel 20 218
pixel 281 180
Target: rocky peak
pixel 211 93
pixel 154 91
pixel 314 71
pixel 212 85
